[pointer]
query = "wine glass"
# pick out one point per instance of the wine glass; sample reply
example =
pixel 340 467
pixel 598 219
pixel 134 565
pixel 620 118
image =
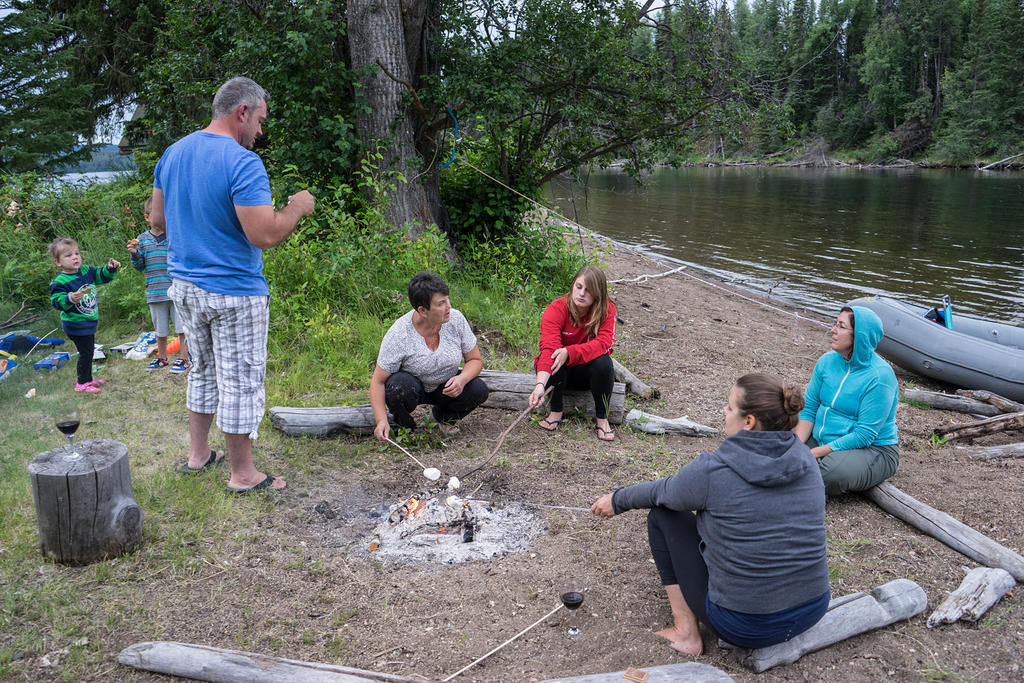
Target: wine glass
pixel 572 598
pixel 67 423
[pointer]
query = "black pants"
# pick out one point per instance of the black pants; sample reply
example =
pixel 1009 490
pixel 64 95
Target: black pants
pixel 86 345
pixel 597 375
pixel 403 392
pixel 675 546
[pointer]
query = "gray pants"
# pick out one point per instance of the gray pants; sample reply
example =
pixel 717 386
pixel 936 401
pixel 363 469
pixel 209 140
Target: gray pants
pixel 857 469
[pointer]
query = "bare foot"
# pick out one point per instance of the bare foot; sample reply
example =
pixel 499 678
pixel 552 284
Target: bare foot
pixel 690 644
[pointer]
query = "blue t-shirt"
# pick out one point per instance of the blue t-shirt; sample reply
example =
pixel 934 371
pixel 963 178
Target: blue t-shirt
pixel 203 176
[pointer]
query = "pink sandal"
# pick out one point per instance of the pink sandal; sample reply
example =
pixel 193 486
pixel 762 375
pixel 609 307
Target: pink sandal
pixel 88 388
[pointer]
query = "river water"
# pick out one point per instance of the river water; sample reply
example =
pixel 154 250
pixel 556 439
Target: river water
pixel 821 237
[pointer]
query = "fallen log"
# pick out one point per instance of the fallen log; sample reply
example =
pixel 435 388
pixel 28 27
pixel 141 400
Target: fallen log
pixel 511 391
pixel 1009 450
pixel 508 390
pixel 945 528
pixel 980 589
pixel 204 663
pixel 681 672
pixel 1005 405
pixel 991 425
pixel 654 424
pixel 960 404
pixel 846 617
pixel 634 384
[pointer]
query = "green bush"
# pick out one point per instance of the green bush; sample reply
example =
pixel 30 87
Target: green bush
pixel 336 284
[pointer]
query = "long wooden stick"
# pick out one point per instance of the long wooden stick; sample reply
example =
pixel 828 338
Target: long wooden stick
pixel 477 661
pixel 501 439
pixel 407 453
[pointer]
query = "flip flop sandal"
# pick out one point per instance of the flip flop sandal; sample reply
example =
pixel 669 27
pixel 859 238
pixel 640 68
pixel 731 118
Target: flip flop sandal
pixel 213 460
pixel 265 484
pixel 554 425
pixel 601 433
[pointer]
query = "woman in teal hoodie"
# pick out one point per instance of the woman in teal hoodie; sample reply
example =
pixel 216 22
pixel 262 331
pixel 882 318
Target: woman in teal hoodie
pixel 849 415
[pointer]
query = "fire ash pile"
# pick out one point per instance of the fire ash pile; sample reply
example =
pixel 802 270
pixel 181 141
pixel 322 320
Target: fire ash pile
pixel 440 526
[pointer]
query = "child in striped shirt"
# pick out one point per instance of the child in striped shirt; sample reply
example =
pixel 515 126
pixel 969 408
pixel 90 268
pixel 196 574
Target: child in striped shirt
pixel 73 293
pixel 149 256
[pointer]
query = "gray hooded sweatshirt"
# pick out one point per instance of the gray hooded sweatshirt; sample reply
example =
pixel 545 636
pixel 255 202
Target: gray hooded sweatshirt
pixel 760 505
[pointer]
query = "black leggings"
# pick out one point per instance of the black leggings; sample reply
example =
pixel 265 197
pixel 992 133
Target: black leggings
pixel 597 375
pixel 404 391
pixel 85 345
pixel 675 547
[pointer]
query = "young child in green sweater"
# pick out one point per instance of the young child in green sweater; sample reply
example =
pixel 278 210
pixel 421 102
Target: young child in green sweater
pixel 73 293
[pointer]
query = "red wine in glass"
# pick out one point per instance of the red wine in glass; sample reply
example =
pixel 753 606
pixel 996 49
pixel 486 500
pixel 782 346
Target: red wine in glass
pixel 572 599
pixel 68 423
pixel 68 427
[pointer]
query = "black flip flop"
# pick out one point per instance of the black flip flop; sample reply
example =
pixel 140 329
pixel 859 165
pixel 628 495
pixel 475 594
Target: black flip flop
pixel 554 424
pixel 605 432
pixel 258 487
pixel 185 469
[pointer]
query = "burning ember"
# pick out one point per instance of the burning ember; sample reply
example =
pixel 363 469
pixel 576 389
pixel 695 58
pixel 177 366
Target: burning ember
pixel 435 526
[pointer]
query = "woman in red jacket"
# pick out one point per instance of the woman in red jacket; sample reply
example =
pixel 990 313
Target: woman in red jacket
pixel 577 332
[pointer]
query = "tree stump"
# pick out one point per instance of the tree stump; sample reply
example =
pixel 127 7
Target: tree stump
pixel 85 506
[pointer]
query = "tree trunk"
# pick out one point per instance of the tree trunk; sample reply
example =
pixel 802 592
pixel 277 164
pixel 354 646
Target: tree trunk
pixel 85 506
pixel 388 39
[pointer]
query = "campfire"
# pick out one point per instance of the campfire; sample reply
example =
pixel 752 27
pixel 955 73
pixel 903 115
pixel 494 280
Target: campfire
pixel 439 525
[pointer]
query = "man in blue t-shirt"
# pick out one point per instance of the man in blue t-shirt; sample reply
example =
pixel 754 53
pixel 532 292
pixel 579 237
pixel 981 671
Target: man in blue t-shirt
pixel 212 194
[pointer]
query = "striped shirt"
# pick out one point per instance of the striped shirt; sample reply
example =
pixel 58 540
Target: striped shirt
pixel 79 318
pixel 151 260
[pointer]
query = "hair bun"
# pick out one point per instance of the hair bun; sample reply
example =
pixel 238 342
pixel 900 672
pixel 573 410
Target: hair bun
pixel 792 399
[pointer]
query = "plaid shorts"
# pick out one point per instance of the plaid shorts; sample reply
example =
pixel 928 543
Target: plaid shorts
pixel 227 346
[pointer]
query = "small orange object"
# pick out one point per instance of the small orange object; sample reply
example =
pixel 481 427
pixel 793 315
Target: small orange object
pixel 637 675
pixel 173 345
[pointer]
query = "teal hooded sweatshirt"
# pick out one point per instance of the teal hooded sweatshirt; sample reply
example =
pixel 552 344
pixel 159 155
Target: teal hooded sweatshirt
pixel 853 403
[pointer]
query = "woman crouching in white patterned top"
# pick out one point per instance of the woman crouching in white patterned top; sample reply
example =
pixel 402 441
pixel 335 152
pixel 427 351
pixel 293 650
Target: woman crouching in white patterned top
pixel 419 362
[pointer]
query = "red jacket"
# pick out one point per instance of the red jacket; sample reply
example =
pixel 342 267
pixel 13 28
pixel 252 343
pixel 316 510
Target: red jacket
pixel 557 330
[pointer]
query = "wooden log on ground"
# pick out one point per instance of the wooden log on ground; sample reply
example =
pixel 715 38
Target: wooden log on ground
pixel 654 424
pixel 945 528
pixel 85 506
pixel 682 672
pixel 511 391
pixel 508 390
pixel 1005 405
pixel 846 617
pixel 960 404
pixel 204 663
pixel 1009 450
pixel 980 589
pixel 634 384
pixel 333 421
pixel 991 425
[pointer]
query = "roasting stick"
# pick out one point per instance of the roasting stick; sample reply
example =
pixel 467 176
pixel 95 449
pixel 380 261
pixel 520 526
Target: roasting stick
pixel 431 473
pixel 474 663
pixel 535 505
pixel 501 439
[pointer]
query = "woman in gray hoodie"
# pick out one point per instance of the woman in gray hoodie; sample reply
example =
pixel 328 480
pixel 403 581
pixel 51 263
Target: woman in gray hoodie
pixel 738 535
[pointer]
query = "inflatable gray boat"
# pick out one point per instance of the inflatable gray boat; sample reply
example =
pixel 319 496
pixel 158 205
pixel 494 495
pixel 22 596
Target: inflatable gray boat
pixel 975 354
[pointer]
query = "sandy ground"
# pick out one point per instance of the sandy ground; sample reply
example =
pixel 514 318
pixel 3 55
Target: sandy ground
pixel 304 584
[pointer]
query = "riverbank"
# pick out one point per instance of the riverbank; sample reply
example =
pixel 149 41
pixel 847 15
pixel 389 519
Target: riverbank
pixel 291 575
